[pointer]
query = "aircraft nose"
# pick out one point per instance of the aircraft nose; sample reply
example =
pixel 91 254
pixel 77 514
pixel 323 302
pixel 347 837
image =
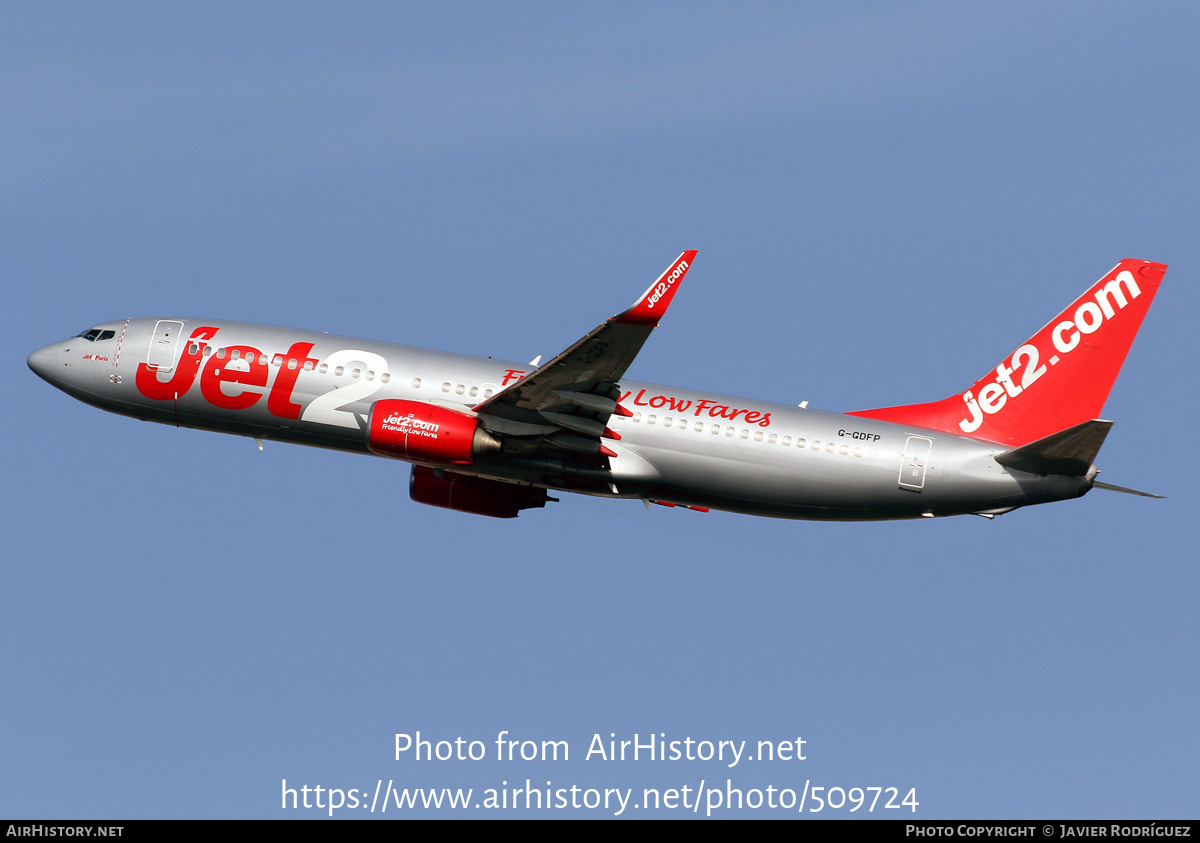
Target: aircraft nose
pixel 45 362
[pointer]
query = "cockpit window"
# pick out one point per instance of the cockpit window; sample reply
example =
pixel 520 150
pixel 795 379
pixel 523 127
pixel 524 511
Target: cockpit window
pixel 95 334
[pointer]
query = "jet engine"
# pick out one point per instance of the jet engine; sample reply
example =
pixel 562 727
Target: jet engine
pixel 473 494
pixel 428 433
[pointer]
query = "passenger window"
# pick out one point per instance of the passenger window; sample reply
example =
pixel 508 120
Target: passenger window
pixel 220 354
pixel 354 373
pixel 339 370
pixel 474 391
pixel 637 417
pixel 385 377
pixel 308 365
pixel 323 368
pixel 193 348
pixel 771 439
pixel 460 389
pixel 758 436
pixel 800 443
pixel 716 428
pixel 787 440
pixel 446 386
pixel 650 418
pixel 370 374
pixel 745 434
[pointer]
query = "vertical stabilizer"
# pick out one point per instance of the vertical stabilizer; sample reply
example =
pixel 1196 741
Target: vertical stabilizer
pixel 1059 378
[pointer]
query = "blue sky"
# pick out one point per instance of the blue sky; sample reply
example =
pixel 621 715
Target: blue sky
pixel 886 198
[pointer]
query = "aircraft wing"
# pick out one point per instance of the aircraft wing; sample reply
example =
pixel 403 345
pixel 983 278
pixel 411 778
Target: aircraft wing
pixel 570 398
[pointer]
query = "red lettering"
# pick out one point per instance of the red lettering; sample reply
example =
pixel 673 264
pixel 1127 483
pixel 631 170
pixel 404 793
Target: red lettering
pixel 218 372
pixel 184 375
pixel 511 375
pixel 279 401
pixel 715 410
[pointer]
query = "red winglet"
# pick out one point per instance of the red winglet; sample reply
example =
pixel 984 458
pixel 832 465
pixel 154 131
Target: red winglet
pixel 657 298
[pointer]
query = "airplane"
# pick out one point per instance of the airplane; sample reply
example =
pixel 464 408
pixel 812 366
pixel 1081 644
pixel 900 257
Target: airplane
pixel 494 438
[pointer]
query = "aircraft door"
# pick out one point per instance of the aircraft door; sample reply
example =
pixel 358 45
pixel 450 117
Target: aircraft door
pixel 164 345
pixel 914 462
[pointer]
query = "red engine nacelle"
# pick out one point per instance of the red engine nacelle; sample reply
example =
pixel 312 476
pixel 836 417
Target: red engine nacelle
pixel 414 430
pixel 473 494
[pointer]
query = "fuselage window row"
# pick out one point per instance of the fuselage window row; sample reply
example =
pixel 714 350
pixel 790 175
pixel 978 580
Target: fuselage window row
pixel 801 442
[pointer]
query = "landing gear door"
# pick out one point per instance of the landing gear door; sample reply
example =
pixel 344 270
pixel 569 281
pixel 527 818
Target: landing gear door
pixel 164 345
pixel 914 462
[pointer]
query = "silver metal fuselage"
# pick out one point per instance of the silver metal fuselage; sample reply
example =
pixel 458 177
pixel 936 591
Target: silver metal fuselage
pixel 680 446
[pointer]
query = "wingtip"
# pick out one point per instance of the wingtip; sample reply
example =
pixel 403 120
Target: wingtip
pixel 649 309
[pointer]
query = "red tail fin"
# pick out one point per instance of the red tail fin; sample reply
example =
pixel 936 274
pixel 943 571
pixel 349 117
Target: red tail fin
pixel 1059 378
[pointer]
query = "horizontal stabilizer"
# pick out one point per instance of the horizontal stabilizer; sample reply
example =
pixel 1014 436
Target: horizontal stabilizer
pixel 1071 451
pixel 1112 488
